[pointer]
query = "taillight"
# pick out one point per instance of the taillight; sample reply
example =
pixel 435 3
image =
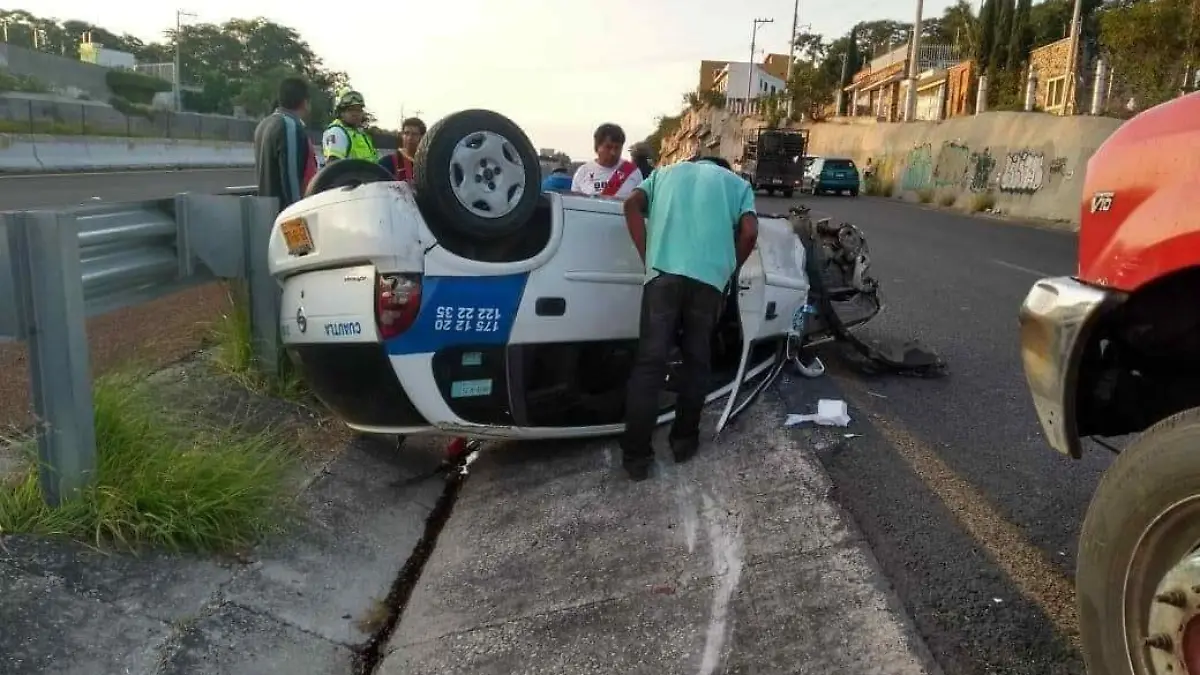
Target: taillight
pixel 397 302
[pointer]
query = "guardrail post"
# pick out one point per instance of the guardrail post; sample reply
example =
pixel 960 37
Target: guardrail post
pixel 258 217
pixel 45 257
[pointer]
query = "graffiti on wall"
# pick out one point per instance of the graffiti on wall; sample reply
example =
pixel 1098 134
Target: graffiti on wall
pixel 918 169
pixel 952 163
pixel 1024 172
pixel 982 164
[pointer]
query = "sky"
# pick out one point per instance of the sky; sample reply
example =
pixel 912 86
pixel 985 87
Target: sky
pixel 557 68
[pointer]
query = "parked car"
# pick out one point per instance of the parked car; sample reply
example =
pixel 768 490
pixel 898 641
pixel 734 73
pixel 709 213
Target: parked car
pixel 830 174
pixel 471 303
pixel 1113 352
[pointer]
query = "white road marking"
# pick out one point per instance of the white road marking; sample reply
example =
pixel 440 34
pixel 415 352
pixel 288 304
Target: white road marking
pixel 725 544
pixel 1026 270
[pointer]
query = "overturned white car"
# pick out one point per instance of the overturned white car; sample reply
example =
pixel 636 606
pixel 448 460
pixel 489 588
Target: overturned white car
pixel 471 304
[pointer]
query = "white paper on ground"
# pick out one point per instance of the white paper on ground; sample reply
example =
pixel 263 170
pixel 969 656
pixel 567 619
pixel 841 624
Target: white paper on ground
pixel 830 413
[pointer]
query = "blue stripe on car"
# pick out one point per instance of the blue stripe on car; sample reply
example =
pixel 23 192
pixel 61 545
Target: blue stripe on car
pixel 462 310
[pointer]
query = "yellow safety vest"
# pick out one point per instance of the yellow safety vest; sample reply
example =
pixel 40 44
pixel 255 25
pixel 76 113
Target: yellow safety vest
pixel 361 146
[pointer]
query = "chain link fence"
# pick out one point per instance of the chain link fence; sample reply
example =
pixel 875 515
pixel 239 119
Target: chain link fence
pixel 27 115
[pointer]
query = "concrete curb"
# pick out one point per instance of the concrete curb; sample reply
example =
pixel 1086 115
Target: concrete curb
pixel 35 153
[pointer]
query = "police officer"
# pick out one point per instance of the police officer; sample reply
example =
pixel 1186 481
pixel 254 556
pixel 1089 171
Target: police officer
pixel 345 138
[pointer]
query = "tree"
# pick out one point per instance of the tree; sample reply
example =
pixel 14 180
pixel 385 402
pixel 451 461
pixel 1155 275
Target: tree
pixel 988 16
pixel 1002 32
pixel 959 27
pixel 237 63
pixel 1020 40
pixel 1148 46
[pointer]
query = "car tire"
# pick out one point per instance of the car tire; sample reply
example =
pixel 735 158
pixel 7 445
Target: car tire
pixel 854 192
pixel 1144 518
pixel 346 173
pixel 788 193
pixel 470 200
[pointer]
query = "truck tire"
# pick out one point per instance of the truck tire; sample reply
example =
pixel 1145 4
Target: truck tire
pixel 477 174
pixel 788 193
pixel 346 173
pixel 1142 523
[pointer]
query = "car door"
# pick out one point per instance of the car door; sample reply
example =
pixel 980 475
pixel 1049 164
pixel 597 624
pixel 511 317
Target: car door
pixel 772 287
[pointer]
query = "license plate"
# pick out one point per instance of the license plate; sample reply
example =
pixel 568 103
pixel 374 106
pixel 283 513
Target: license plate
pixel 296 236
pixel 777 180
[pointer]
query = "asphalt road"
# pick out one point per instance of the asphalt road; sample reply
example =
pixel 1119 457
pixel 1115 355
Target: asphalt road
pixel 973 517
pixel 35 191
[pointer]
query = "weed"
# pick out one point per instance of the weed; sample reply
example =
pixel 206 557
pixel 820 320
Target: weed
pixel 162 479
pixel 947 199
pixel 878 187
pixel 925 195
pixel 983 201
pixel 235 356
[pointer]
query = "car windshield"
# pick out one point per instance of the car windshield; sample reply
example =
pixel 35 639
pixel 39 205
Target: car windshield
pixel 839 165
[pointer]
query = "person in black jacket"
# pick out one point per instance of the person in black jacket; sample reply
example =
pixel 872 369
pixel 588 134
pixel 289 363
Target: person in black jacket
pixel 640 153
pixel 284 159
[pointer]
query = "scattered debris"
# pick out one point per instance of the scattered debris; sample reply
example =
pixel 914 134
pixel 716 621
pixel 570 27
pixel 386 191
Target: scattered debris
pixel 876 395
pixel 830 413
pixel 851 435
pixel 662 589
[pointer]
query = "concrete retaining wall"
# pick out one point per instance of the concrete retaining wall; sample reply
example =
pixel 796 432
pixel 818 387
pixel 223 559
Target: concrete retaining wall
pixel 1032 164
pixel 36 153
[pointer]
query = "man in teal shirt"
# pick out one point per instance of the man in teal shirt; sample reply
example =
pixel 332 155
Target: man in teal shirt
pixel 701 226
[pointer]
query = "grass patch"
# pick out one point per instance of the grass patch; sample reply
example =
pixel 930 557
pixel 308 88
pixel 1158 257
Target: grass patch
pixel 879 187
pixel 925 195
pixel 163 479
pixel 947 199
pixel 234 351
pixel 983 201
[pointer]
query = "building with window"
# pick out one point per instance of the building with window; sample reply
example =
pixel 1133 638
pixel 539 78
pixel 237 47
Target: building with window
pixel 743 83
pixel 879 89
pixel 1049 64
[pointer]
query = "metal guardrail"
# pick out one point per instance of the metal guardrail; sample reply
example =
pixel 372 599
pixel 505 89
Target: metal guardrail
pixel 57 268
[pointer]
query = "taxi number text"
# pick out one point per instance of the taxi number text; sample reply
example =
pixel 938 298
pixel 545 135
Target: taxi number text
pixel 467 319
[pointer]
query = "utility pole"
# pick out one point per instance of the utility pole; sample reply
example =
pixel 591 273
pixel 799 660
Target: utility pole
pixel 795 27
pixel 914 65
pixel 1073 60
pixel 179 14
pixel 750 69
pixel 787 83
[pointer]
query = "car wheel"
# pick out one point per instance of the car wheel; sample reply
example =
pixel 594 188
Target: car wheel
pixel 788 193
pixel 477 173
pixel 770 192
pixel 346 173
pixel 1138 570
pixel 854 192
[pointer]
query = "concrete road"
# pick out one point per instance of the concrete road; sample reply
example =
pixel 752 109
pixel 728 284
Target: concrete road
pixel 51 190
pixel 972 516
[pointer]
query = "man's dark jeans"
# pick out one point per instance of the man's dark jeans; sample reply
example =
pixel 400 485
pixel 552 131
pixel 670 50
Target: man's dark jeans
pixel 671 304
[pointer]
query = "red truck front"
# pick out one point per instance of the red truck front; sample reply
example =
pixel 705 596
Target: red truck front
pixel 1115 352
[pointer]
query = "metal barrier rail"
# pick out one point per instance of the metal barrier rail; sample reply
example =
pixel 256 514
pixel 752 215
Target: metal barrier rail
pixel 57 268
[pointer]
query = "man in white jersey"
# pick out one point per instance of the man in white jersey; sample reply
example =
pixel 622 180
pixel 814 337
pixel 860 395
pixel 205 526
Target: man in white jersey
pixel 608 175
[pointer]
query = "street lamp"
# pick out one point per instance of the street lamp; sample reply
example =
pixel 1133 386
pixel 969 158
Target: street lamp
pixel 750 69
pixel 179 14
